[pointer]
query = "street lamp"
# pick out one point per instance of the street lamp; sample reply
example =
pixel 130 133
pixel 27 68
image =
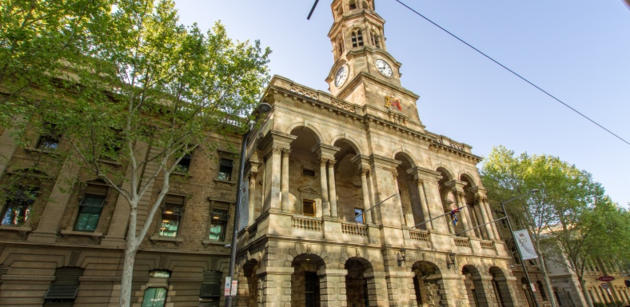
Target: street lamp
pixel 261 109
pixel 520 257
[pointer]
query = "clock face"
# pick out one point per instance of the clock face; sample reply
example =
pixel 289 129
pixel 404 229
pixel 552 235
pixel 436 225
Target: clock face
pixel 383 68
pixel 341 75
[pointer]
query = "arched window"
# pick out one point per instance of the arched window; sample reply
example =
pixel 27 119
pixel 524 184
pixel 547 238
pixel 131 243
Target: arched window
pixel 376 39
pixel 357 38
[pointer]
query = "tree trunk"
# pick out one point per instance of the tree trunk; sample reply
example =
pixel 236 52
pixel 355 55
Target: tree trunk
pixel 131 248
pixel 127 277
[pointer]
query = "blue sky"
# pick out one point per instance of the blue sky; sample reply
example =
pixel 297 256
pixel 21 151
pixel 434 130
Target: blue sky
pixel 579 50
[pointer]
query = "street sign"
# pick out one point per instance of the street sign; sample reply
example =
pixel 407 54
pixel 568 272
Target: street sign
pixel 226 289
pixel 605 278
pixel 234 288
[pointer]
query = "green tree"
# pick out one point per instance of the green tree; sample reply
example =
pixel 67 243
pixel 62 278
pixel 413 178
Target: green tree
pixel 135 87
pixel 564 194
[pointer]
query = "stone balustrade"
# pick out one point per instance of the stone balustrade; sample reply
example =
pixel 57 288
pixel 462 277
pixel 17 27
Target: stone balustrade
pixel 307 223
pixel 487 244
pixel 462 242
pixel 420 235
pixel 354 229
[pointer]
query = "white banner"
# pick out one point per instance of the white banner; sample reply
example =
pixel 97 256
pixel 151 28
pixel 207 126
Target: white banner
pixel 524 244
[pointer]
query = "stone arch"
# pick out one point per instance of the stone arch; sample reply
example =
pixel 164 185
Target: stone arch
pixel 360 285
pixel 474 286
pixel 500 287
pixel 296 127
pixel 348 184
pixel 408 191
pixel 304 173
pixel 307 280
pixel 475 211
pixel 349 140
pixel 252 295
pixel 448 197
pixel 428 284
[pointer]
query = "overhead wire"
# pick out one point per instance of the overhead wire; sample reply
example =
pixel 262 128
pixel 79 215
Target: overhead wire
pixel 515 73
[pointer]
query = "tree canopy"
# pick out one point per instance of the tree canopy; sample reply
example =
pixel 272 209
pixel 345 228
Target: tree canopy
pixel 123 81
pixel 561 206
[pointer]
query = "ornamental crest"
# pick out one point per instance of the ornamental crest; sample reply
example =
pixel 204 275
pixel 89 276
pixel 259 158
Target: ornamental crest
pixel 391 102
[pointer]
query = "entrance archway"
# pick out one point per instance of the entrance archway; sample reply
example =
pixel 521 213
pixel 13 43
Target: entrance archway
pixel 500 287
pixel 305 281
pixel 474 286
pixel 360 286
pixel 249 270
pixel 428 285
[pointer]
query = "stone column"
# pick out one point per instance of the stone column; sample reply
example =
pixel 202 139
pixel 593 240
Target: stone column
pixel 405 213
pixel 458 190
pixel 252 195
pixel 285 179
pixel 271 146
pixel 56 206
pixel 332 287
pixel 493 226
pixel 429 179
pixel 276 287
pixel 332 189
pixel 428 224
pixel 276 169
pixel 487 219
pixel 324 186
pixel 366 197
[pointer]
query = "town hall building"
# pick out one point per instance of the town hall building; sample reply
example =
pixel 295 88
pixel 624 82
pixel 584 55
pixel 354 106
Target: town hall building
pixel 353 202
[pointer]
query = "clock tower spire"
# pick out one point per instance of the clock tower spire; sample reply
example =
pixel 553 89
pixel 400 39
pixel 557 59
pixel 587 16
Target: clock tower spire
pixel 364 72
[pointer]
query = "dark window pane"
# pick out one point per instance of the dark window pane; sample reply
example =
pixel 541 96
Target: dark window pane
pixel 358 215
pixel 225 169
pixel 89 213
pixel 49 139
pixel 308 208
pixel 184 164
pixel 154 297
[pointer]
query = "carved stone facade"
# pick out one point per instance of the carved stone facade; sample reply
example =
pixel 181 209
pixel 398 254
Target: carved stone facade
pixel 354 203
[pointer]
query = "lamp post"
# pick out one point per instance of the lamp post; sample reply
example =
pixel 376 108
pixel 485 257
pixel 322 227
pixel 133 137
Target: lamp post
pixel 261 109
pixel 507 218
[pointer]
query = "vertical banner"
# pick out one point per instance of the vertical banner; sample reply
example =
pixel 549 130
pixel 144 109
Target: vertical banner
pixel 524 244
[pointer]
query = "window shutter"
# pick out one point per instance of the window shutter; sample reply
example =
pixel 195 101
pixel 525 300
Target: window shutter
pixel 211 285
pixel 66 284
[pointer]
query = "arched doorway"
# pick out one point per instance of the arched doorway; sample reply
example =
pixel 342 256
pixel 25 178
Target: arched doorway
pixel 305 281
pixel 249 270
pixel 428 285
pixel 359 283
pixel 348 183
pixel 449 203
pixel 305 175
pixel 409 193
pixel 500 287
pixel 474 286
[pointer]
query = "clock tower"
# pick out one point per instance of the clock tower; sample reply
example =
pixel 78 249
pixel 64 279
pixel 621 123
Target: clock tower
pixel 364 73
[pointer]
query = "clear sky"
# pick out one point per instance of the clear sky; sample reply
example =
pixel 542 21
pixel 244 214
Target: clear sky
pixel 579 50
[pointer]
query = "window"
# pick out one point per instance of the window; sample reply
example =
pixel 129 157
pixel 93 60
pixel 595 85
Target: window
pixel 49 139
pixel 308 172
pixel 358 215
pixel 89 212
pixel 63 290
pixel 225 169
pixel 154 297
pixel 357 38
pixel 184 164
pixel 17 209
pixel 308 207
pixel 171 216
pixel 218 224
pixel 352 4
pixel 376 40
pixel 210 291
